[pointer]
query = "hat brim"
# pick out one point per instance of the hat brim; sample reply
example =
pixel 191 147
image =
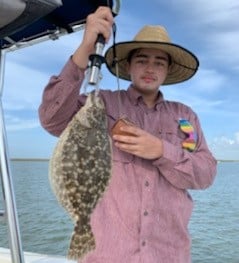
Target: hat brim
pixel 184 63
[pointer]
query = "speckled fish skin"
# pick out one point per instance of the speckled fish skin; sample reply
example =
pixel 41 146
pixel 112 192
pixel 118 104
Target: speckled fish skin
pixel 80 170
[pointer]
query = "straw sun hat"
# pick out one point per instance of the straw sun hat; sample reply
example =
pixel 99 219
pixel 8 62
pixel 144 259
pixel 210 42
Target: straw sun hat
pixel 184 63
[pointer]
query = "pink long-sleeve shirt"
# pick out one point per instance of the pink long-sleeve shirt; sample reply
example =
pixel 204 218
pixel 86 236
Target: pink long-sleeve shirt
pixel 144 214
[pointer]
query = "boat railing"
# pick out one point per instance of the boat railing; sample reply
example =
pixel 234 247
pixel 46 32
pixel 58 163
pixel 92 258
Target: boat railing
pixel 9 212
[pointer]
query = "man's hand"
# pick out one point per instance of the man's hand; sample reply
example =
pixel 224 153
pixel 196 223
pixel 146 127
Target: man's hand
pixel 99 22
pixel 141 143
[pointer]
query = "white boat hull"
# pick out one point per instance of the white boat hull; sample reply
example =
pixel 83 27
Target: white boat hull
pixel 29 257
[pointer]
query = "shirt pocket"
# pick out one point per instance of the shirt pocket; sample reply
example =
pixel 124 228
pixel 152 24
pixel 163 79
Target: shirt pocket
pixel 118 155
pixel 170 131
pixel 121 157
pixel 111 119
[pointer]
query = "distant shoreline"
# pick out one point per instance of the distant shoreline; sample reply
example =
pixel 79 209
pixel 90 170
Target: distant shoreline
pixel 47 159
pixel 223 161
pixel 30 159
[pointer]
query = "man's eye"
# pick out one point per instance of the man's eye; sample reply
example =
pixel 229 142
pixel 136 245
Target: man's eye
pixel 141 61
pixel 161 63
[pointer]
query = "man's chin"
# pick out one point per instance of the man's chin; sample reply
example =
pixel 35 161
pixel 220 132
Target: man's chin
pixel 146 89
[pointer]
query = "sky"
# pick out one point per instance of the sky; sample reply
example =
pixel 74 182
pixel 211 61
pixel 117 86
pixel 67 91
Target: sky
pixel 207 28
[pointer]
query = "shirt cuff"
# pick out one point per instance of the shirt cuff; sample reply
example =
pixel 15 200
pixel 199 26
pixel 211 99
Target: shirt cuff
pixel 169 157
pixel 71 72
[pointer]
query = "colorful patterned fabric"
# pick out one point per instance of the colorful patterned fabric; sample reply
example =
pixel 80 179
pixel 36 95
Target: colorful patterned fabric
pixel 191 142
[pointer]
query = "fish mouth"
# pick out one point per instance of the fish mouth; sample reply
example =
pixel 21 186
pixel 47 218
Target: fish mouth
pixel 94 99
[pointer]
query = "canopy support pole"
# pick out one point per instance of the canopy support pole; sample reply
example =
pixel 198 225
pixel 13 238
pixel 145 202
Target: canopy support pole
pixel 10 211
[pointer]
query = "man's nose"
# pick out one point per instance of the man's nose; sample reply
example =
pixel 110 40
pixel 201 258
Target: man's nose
pixel 150 66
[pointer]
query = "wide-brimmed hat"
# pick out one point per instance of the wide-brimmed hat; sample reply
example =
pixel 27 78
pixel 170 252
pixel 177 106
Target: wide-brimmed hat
pixel 184 63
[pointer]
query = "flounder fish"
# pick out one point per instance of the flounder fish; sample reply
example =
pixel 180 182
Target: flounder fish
pixel 80 170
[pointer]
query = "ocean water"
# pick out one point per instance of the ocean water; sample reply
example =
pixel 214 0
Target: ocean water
pixel 46 228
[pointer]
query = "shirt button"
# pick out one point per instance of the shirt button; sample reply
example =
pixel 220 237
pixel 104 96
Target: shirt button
pixel 146 183
pixel 146 213
pixel 143 243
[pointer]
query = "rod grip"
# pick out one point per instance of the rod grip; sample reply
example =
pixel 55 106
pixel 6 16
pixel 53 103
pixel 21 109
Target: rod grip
pixel 100 39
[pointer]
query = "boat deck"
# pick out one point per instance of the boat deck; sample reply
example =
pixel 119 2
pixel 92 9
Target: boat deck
pixel 29 257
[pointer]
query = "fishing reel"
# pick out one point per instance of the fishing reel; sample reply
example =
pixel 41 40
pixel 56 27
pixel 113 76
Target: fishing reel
pixel 97 59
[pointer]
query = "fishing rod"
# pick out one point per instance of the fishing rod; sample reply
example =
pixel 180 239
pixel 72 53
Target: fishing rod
pixel 97 59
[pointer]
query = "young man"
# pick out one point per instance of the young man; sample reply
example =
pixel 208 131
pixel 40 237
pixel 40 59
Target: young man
pixel 144 214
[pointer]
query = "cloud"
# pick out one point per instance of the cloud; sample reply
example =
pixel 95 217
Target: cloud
pixel 222 47
pixel 225 147
pixel 237 137
pixel 201 90
pixel 224 141
pixel 50 49
pixel 209 12
pixel 23 87
pixel 209 81
pixel 28 70
pixel 14 123
pixel 212 27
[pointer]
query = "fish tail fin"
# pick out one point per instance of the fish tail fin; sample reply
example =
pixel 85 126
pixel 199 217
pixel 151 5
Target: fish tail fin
pixel 82 241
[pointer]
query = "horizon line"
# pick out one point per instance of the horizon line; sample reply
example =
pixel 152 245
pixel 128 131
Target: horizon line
pixel 47 159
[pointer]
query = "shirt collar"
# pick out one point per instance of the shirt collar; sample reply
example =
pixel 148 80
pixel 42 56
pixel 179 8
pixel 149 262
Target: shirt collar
pixel 136 97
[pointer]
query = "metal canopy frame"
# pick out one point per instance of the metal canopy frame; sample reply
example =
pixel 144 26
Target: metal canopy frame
pixel 66 19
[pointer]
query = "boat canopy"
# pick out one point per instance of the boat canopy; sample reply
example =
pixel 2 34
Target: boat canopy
pixel 22 21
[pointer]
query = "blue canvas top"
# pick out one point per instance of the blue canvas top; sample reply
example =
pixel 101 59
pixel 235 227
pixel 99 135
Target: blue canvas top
pixel 41 18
